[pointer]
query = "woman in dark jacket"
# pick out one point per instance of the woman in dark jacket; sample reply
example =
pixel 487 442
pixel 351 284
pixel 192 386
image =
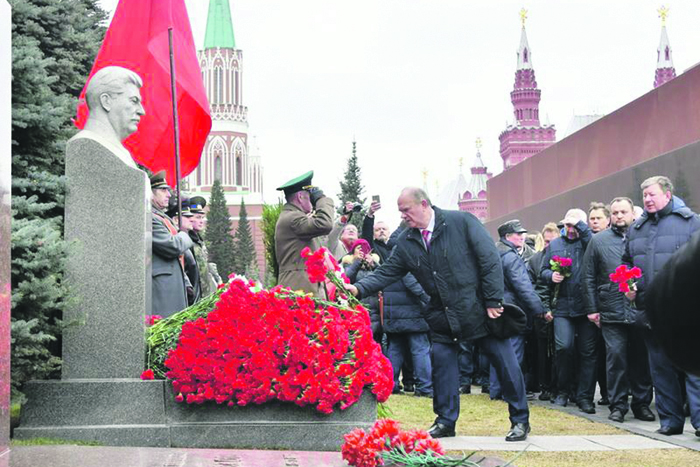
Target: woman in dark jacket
pixel 360 263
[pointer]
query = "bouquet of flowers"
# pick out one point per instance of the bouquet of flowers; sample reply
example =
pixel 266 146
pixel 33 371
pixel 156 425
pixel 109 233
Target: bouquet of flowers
pixel 245 345
pixel 387 443
pixel 625 277
pixel 562 265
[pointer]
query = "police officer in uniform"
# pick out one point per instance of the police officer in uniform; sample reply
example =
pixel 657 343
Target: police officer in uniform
pixel 169 285
pixel 308 214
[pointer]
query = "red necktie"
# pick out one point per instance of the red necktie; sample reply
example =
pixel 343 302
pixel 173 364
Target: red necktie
pixel 426 239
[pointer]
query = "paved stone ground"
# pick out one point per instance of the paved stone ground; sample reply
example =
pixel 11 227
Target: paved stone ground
pixel 88 456
pixel 631 424
pixel 641 436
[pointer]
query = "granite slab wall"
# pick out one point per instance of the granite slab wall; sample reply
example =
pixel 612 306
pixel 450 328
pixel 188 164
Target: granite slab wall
pixel 5 183
pixel 144 413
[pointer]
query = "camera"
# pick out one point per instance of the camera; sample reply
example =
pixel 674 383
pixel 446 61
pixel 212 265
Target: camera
pixel 357 207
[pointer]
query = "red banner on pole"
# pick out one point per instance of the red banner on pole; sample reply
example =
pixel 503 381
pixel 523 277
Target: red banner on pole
pixel 137 39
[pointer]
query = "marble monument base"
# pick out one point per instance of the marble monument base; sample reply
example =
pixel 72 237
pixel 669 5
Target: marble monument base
pixel 132 412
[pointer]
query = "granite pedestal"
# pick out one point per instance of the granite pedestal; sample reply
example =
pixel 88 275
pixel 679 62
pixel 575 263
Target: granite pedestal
pixel 144 413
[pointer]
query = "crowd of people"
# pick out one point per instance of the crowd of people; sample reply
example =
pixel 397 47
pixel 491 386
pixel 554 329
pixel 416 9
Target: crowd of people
pixel 530 315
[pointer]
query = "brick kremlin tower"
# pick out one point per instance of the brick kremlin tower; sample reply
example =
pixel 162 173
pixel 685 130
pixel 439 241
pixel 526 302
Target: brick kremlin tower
pixel 467 195
pixel 526 136
pixel 665 70
pixel 228 155
pixel 474 199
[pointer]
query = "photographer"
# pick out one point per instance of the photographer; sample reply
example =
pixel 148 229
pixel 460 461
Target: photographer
pixel 344 234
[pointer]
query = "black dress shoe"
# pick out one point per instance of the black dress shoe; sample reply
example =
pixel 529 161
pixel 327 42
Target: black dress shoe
pixel 518 432
pixel 545 396
pixel 644 413
pixel 668 431
pixel 485 389
pixel 408 388
pixel 397 391
pixel 616 416
pixel 586 407
pixel 697 433
pixel 423 394
pixel 561 400
pixel 604 401
pixel 439 430
pixel 465 389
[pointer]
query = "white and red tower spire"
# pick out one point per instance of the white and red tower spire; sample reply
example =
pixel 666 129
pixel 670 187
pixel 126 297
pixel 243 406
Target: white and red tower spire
pixel 665 71
pixel 526 136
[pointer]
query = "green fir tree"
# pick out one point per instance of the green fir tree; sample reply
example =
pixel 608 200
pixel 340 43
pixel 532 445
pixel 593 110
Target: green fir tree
pixel 244 248
pixel 54 43
pixel 218 234
pixel 351 188
pixel 270 215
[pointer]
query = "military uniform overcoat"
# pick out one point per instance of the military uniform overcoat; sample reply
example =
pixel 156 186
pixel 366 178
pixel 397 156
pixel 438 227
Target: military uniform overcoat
pixel 296 230
pixel 169 294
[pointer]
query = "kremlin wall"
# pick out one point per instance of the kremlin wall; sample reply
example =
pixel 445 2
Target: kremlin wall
pixel 657 134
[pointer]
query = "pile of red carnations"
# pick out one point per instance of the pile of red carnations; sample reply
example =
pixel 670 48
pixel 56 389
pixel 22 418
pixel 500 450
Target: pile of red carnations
pixel 624 277
pixel 387 444
pixel 257 345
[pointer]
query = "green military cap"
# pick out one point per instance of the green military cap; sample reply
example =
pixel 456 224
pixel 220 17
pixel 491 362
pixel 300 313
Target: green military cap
pixel 297 184
pixel 172 207
pixel 197 204
pixel 158 180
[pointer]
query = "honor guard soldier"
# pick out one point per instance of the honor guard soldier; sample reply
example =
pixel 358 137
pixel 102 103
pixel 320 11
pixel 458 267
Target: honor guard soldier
pixel 194 289
pixel 307 215
pixel 208 275
pixel 169 286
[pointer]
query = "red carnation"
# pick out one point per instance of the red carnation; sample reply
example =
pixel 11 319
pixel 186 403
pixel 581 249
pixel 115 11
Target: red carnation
pixel 148 374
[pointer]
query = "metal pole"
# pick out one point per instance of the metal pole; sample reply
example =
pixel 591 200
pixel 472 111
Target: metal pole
pixel 176 127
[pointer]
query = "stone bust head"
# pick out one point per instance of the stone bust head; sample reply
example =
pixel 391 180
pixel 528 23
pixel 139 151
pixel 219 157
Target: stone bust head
pixel 114 100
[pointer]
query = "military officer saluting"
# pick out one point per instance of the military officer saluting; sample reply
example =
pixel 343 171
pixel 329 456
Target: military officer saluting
pixel 308 214
pixel 169 286
pixel 208 276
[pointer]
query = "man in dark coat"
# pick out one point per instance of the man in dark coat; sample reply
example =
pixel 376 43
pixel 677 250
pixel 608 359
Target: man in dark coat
pixel 518 290
pixel 542 327
pixel 627 363
pixel 574 334
pixel 453 258
pixel 672 306
pixel 402 304
pixel 169 291
pixel 664 227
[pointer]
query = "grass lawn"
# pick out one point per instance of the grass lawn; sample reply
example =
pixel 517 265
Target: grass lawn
pixel 636 458
pixel 480 416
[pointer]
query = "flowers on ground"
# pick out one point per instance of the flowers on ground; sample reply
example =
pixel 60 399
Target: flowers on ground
pixel 625 277
pixel 387 443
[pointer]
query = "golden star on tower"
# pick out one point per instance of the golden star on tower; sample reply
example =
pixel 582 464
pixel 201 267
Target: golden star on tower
pixel 663 14
pixel 523 16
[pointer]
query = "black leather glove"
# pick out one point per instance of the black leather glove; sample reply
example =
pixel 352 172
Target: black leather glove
pixel 315 193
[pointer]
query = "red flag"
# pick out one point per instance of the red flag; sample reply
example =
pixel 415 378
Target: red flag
pixel 137 39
